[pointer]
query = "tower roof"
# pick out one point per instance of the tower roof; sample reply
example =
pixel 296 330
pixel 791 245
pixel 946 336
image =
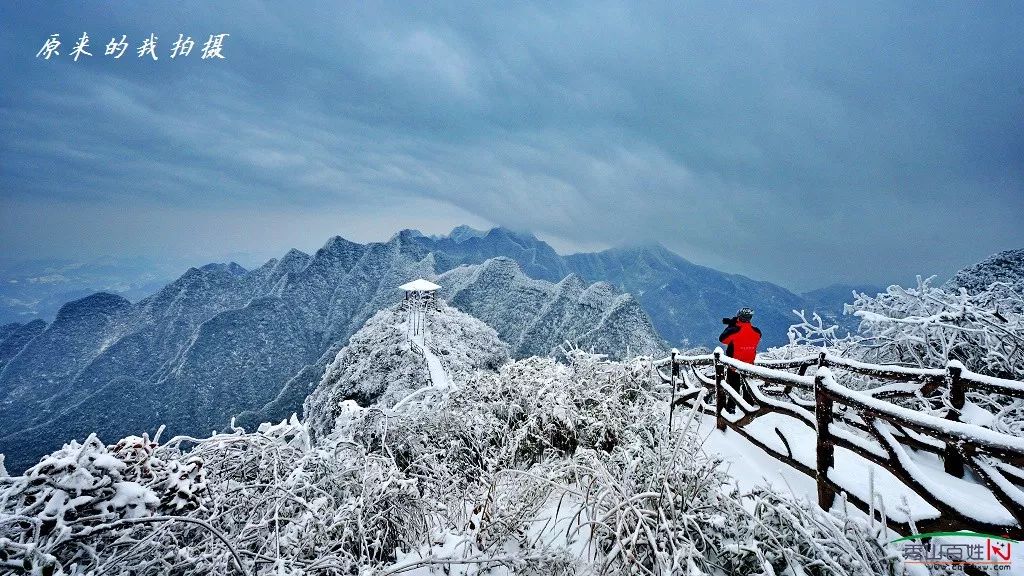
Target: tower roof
pixel 419 285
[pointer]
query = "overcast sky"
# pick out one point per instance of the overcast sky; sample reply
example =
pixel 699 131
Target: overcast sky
pixel 795 143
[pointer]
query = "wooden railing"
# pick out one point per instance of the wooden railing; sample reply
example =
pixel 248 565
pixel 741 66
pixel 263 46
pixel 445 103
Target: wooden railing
pixel 978 462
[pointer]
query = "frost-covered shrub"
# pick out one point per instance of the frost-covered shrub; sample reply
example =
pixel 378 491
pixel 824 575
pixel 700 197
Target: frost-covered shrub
pixel 303 505
pixel 263 502
pixel 666 510
pixel 666 507
pixel 541 468
pixel 927 327
pixel 529 411
pixel 1006 267
pixel 86 492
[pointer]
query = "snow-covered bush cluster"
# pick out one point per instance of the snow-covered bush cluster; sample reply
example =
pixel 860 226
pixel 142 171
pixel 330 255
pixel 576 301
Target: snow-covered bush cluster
pixel 538 468
pixel 85 497
pixel 1005 267
pixel 260 503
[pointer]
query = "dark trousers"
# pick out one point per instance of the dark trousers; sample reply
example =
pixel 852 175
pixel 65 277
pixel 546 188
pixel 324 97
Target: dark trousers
pixel 732 378
pixel 739 384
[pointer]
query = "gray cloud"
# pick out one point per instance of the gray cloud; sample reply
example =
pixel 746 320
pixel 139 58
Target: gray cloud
pixel 800 144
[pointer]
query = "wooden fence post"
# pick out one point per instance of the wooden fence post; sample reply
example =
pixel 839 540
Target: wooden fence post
pixel 672 406
pixel 826 449
pixel 953 462
pixel 719 393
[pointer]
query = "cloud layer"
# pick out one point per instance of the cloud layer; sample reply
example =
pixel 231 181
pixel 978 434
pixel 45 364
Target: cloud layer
pixel 799 144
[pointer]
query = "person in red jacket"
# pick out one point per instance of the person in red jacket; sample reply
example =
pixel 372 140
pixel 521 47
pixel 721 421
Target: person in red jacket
pixel 741 339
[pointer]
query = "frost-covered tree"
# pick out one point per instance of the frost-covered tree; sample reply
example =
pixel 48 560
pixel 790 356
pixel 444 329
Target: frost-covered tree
pixel 927 326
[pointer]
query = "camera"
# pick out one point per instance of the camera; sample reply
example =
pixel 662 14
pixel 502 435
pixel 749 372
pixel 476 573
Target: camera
pixel 729 320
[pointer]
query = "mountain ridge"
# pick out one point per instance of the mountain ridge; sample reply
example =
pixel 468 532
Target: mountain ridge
pixel 544 315
pixel 220 340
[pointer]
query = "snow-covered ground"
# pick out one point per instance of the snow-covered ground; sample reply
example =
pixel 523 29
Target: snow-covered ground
pixel 749 466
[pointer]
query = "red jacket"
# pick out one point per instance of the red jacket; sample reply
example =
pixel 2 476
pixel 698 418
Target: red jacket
pixel 741 338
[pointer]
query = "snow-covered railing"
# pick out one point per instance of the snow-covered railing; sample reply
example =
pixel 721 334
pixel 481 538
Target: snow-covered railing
pixel 930 378
pixel 867 425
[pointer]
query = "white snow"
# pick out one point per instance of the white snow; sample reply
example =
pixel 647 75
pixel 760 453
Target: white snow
pixel 751 466
pixel 438 375
pixel 419 285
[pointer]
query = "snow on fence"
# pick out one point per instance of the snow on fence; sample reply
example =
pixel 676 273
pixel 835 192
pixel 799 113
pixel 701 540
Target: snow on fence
pixel 980 485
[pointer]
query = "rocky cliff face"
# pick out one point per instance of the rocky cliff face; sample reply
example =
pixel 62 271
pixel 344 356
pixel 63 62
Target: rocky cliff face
pixel 536 317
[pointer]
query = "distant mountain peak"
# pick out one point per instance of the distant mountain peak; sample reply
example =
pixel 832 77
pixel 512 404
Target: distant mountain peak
pixel 603 290
pixel 98 303
pixel 293 261
pixel 500 266
pixel 572 282
pixel 337 244
pixel 462 233
pixel 408 233
pixel 514 235
pixel 232 268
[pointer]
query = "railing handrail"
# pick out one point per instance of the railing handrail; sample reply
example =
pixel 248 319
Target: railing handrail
pixel 888 424
pixel 971 379
pixel 966 433
pixel 763 371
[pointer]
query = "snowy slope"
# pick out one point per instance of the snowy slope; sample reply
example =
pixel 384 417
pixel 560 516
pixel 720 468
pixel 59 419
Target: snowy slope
pixel 14 337
pixel 384 362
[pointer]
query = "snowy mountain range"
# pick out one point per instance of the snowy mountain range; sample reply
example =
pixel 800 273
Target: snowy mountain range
pixel 223 341
pixel 537 317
